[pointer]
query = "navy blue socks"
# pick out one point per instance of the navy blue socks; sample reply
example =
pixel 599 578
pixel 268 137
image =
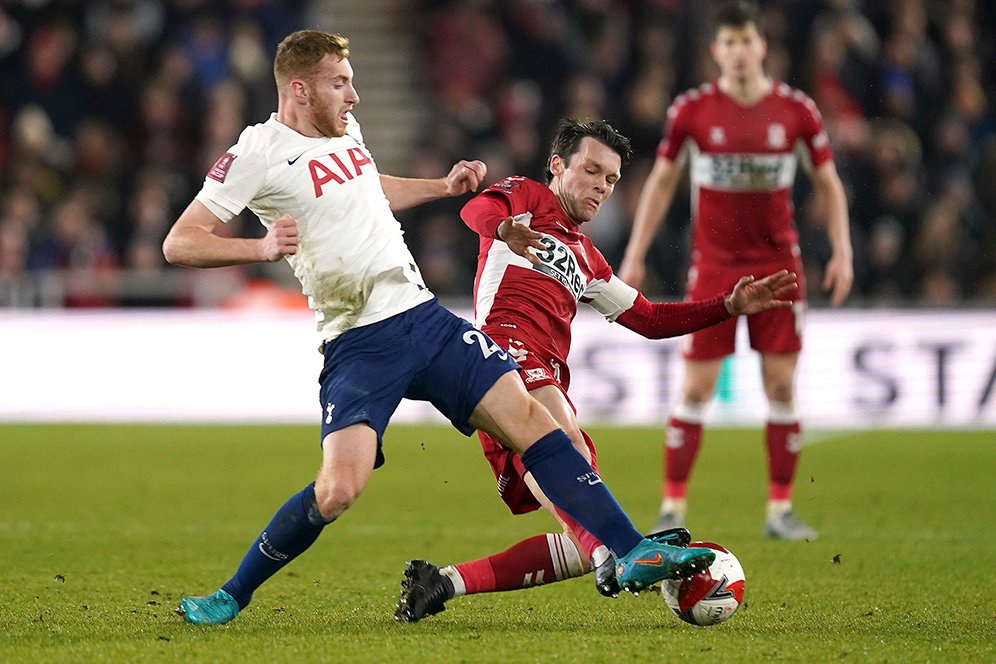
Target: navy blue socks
pixel 568 480
pixel 290 532
pixel 562 473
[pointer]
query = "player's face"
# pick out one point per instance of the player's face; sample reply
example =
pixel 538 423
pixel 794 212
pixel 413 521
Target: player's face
pixel 331 95
pixel 586 179
pixel 739 51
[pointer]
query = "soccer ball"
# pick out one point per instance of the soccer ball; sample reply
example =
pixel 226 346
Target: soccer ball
pixel 711 596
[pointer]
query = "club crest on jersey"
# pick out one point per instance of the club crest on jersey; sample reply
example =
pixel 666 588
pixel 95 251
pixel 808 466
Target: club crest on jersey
pixel 717 136
pixel 776 135
pixel 533 375
pixel 509 184
pixel 220 169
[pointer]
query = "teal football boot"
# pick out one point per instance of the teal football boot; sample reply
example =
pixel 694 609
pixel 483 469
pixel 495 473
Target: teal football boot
pixel 650 562
pixel 214 609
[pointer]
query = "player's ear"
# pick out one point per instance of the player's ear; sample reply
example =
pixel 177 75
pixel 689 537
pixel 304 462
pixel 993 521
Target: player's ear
pixel 556 165
pixel 298 90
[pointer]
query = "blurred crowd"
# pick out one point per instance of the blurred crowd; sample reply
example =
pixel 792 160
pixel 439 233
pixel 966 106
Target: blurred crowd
pixel 906 88
pixel 111 112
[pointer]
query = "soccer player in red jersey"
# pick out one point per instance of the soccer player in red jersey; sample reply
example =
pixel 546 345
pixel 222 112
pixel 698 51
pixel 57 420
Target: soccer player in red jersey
pixel 742 136
pixel 535 265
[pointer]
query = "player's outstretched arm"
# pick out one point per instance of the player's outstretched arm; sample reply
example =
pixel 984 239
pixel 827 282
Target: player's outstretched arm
pixel 192 241
pixel 751 296
pixel 404 193
pixel 659 320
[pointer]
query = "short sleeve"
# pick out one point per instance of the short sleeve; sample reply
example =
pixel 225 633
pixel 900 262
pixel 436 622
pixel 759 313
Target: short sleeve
pixel 235 179
pixel 812 134
pixel 676 129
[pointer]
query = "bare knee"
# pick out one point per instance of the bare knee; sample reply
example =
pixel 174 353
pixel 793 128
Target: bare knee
pixel 535 423
pixel 697 390
pixel 700 381
pixel 779 388
pixel 538 415
pixel 780 392
pixel 334 497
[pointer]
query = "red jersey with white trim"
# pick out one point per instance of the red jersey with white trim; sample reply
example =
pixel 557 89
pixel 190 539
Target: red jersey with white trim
pixel 536 304
pixel 743 161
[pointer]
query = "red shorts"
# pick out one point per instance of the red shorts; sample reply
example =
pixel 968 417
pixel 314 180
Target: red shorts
pixel 775 331
pixel 535 372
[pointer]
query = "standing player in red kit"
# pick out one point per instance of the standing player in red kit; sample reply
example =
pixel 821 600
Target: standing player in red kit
pixel 743 136
pixel 534 267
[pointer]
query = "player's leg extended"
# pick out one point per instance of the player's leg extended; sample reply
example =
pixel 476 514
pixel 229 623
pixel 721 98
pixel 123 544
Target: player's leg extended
pixel 783 439
pixel 593 553
pixel 510 414
pixel 554 556
pixel 537 560
pixel 348 458
pixel 683 438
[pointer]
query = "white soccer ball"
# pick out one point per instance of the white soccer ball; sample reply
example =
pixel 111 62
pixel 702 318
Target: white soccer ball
pixel 711 596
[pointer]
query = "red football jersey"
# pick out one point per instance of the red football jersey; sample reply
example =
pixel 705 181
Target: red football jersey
pixel 743 161
pixel 536 304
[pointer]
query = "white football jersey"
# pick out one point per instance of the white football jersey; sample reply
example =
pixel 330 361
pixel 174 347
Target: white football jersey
pixel 352 260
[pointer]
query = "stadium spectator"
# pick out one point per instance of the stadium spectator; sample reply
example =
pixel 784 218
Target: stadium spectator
pixel 79 246
pixel 853 58
pixel 15 289
pixel 927 64
pixel 739 135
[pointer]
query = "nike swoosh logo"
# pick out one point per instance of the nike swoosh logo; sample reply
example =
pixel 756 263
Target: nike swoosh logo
pixel 657 560
pixel 290 162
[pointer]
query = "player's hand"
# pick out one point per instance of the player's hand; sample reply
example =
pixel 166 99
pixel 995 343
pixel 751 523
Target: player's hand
pixel 520 238
pixel 465 176
pixel 280 240
pixel 839 278
pixel 751 296
pixel 632 271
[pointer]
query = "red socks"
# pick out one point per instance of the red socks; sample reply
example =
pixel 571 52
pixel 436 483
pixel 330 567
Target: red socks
pixel 783 442
pixel 681 447
pixel 534 561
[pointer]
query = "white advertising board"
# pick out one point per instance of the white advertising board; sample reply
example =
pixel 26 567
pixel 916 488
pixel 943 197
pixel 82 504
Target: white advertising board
pixel 871 368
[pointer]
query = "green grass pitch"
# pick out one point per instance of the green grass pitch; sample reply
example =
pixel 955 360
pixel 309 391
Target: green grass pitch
pixel 104 527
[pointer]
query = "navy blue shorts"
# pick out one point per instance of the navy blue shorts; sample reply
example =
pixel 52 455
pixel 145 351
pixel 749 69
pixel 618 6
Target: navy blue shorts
pixel 427 354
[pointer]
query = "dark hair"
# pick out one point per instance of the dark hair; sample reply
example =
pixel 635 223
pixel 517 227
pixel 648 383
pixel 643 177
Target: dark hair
pixel 570 132
pixel 736 15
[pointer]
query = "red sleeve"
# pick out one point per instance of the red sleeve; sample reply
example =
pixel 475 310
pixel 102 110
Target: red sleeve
pixel 485 212
pixel 813 134
pixel 675 129
pixel 672 319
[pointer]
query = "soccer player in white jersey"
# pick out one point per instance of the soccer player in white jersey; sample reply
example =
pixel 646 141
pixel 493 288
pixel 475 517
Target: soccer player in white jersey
pixel 742 135
pixel 535 267
pixel 311 181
